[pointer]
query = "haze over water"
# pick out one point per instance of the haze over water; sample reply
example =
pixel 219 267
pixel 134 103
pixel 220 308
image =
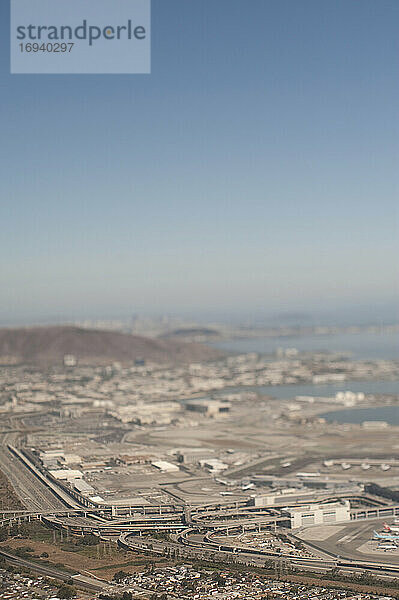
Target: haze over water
pixel 390 414
pixel 360 345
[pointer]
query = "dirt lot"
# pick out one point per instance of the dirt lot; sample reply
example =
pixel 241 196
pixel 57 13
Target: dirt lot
pixel 8 498
pixel 101 561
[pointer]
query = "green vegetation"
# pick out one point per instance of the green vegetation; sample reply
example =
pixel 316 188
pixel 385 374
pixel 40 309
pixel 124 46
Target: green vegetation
pixel 37 532
pixel 120 576
pixel 3 534
pixel 91 546
pixel 27 553
pixel 159 535
pixel 34 531
pixel 66 591
pixel 274 570
pixel 88 540
pixel 8 498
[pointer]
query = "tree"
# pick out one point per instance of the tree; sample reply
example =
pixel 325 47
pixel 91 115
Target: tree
pixel 120 576
pixel 218 579
pixel 66 591
pixel 89 540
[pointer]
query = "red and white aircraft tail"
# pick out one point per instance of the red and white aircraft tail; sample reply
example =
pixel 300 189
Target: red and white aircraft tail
pixel 391 528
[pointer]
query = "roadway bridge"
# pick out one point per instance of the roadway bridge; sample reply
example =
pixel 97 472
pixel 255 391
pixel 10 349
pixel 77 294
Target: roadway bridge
pixel 243 523
pixel 83 526
pixel 376 512
pixel 201 548
pixel 200 515
pixel 95 520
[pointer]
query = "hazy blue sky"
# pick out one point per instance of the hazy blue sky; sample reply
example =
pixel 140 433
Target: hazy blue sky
pixel 253 170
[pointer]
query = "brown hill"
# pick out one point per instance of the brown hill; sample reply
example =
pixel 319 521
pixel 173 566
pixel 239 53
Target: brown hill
pixel 49 345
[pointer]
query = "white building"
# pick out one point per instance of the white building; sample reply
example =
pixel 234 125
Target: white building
pixel 70 360
pixel 194 455
pixel 66 474
pixel 318 514
pixel 147 413
pixel 213 465
pixel 83 487
pixel 164 466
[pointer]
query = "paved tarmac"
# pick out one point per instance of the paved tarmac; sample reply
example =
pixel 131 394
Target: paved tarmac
pixel 351 541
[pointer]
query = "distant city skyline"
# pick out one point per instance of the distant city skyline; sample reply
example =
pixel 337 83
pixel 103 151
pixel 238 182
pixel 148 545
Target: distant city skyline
pixel 379 315
pixel 254 172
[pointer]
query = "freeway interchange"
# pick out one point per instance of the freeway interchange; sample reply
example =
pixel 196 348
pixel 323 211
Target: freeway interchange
pixel 194 532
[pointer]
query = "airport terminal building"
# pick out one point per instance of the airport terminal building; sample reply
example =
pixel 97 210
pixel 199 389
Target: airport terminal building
pixel 319 514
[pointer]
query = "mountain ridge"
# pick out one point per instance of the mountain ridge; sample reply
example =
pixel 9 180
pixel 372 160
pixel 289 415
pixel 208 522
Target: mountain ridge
pixel 49 344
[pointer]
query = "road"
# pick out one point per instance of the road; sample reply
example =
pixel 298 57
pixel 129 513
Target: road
pixel 31 491
pixel 196 545
pixel 80 580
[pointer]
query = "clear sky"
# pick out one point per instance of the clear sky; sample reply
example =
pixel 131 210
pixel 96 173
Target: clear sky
pixel 255 169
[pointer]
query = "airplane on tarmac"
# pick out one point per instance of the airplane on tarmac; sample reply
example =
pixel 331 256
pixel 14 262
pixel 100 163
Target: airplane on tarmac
pixel 249 486
pixel 386 536
pixel 391 528
pixel 387 547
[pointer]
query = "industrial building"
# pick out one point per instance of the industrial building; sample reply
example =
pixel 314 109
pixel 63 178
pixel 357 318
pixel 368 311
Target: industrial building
pixel 213 465
pixel 194 455
pixel 84 488
pixel 164 466
pixel 208 407
pixel 66 474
